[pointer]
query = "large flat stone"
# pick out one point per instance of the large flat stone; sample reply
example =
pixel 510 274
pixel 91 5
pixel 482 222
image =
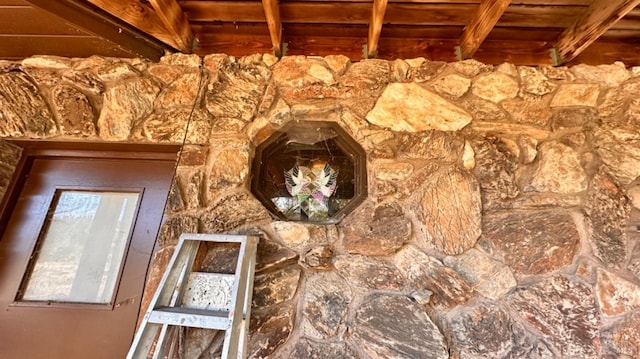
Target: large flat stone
pixel 565 312
pixel 495 87
pixel 409 107
pixel 450 208
pixel 448 288
pixel 276 287
pixel 23 111
pixel 395 327
pixel 607 210
pixel 376 231
pixel 488 331
pixel 488 276
pixel 326 299
pixel 533 242
pixel 558 170
pixel 369 273
pixel 125 104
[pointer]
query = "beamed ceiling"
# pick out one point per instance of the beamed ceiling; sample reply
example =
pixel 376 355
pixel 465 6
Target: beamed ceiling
pixel 527 32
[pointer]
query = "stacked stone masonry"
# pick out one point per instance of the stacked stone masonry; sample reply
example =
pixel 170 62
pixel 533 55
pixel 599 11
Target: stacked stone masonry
pixel 503 216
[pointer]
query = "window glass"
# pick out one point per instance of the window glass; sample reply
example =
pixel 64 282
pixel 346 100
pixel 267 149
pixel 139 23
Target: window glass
pixel 81 248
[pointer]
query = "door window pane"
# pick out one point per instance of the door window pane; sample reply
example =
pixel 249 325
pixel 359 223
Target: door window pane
pixel 81 249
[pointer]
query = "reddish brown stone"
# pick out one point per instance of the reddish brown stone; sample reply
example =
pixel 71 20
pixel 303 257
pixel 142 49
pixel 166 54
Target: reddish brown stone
pixel 74 110
pixel 376 231
pixel 607 210
pixel 440 146
pixel 533 242
pixel 495 169
pixel 313 350
pixel 319 258
pixel 270 328
pixel 232 211
pixel 236 92
pixel 276 287
pixel 450 208
pixel 173 227
pixel 369 273
pixel 426 71
pixel 326 298
pixel 565 312
pixel 425 272
pixel 395 327
pixel 272 255
pixel 193 155
pixel 615 294
pixel 488 331
pixel 624 339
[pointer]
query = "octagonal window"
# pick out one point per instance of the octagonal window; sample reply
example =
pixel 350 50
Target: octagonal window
pixel 311 172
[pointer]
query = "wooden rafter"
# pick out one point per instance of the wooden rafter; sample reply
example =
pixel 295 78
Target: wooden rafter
pixel 176 23
pixel 375 26
pixel 597 19
pixel 102 25
pixel 272 14
pixel 144 18
pixel 485 18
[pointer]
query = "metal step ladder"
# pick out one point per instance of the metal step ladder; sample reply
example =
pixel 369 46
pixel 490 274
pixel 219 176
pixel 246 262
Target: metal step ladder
pixel 200 300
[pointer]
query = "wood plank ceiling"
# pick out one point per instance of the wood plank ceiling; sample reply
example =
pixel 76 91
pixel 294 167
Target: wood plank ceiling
pixel 528 32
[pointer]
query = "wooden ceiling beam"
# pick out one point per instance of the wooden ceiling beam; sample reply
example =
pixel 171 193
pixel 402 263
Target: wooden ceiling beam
pixel 176 22
pixel 272 15
pixel 596 20
pixel 142 17
pixel 375 26
pixel 104 26
pixel 483 21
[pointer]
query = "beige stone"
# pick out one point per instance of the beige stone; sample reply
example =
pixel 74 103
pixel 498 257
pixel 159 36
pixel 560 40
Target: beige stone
pixel 507 69
pixel 51 62
pixel 125 104
pixel 180 59
pixel 535 82
pixel 452 85
pixel 417 62
pixel 468 157
pixel 337 63
pixel 409 107
pixel 606 75
pixel 495 87
pixel 395 171
pixel 576 95
pixel 509 129
pixel 229 168
pixel 469 67
pixel 559 170
pixel 489 277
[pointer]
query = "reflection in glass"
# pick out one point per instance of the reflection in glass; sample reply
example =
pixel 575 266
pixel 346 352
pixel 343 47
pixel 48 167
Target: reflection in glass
pixel 82 247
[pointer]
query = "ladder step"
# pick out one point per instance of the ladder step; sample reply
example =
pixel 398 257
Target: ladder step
pixel 191 317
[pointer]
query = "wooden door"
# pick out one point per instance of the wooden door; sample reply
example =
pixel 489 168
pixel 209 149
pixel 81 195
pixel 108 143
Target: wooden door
pixel 75 253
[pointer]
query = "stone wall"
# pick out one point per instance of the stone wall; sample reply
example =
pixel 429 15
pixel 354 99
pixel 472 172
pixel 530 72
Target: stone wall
pixel 503 212
pixel 9 157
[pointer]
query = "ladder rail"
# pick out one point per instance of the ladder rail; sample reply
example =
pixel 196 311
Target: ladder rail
pixel 168 298
pixel 241 291
pixel 183 256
